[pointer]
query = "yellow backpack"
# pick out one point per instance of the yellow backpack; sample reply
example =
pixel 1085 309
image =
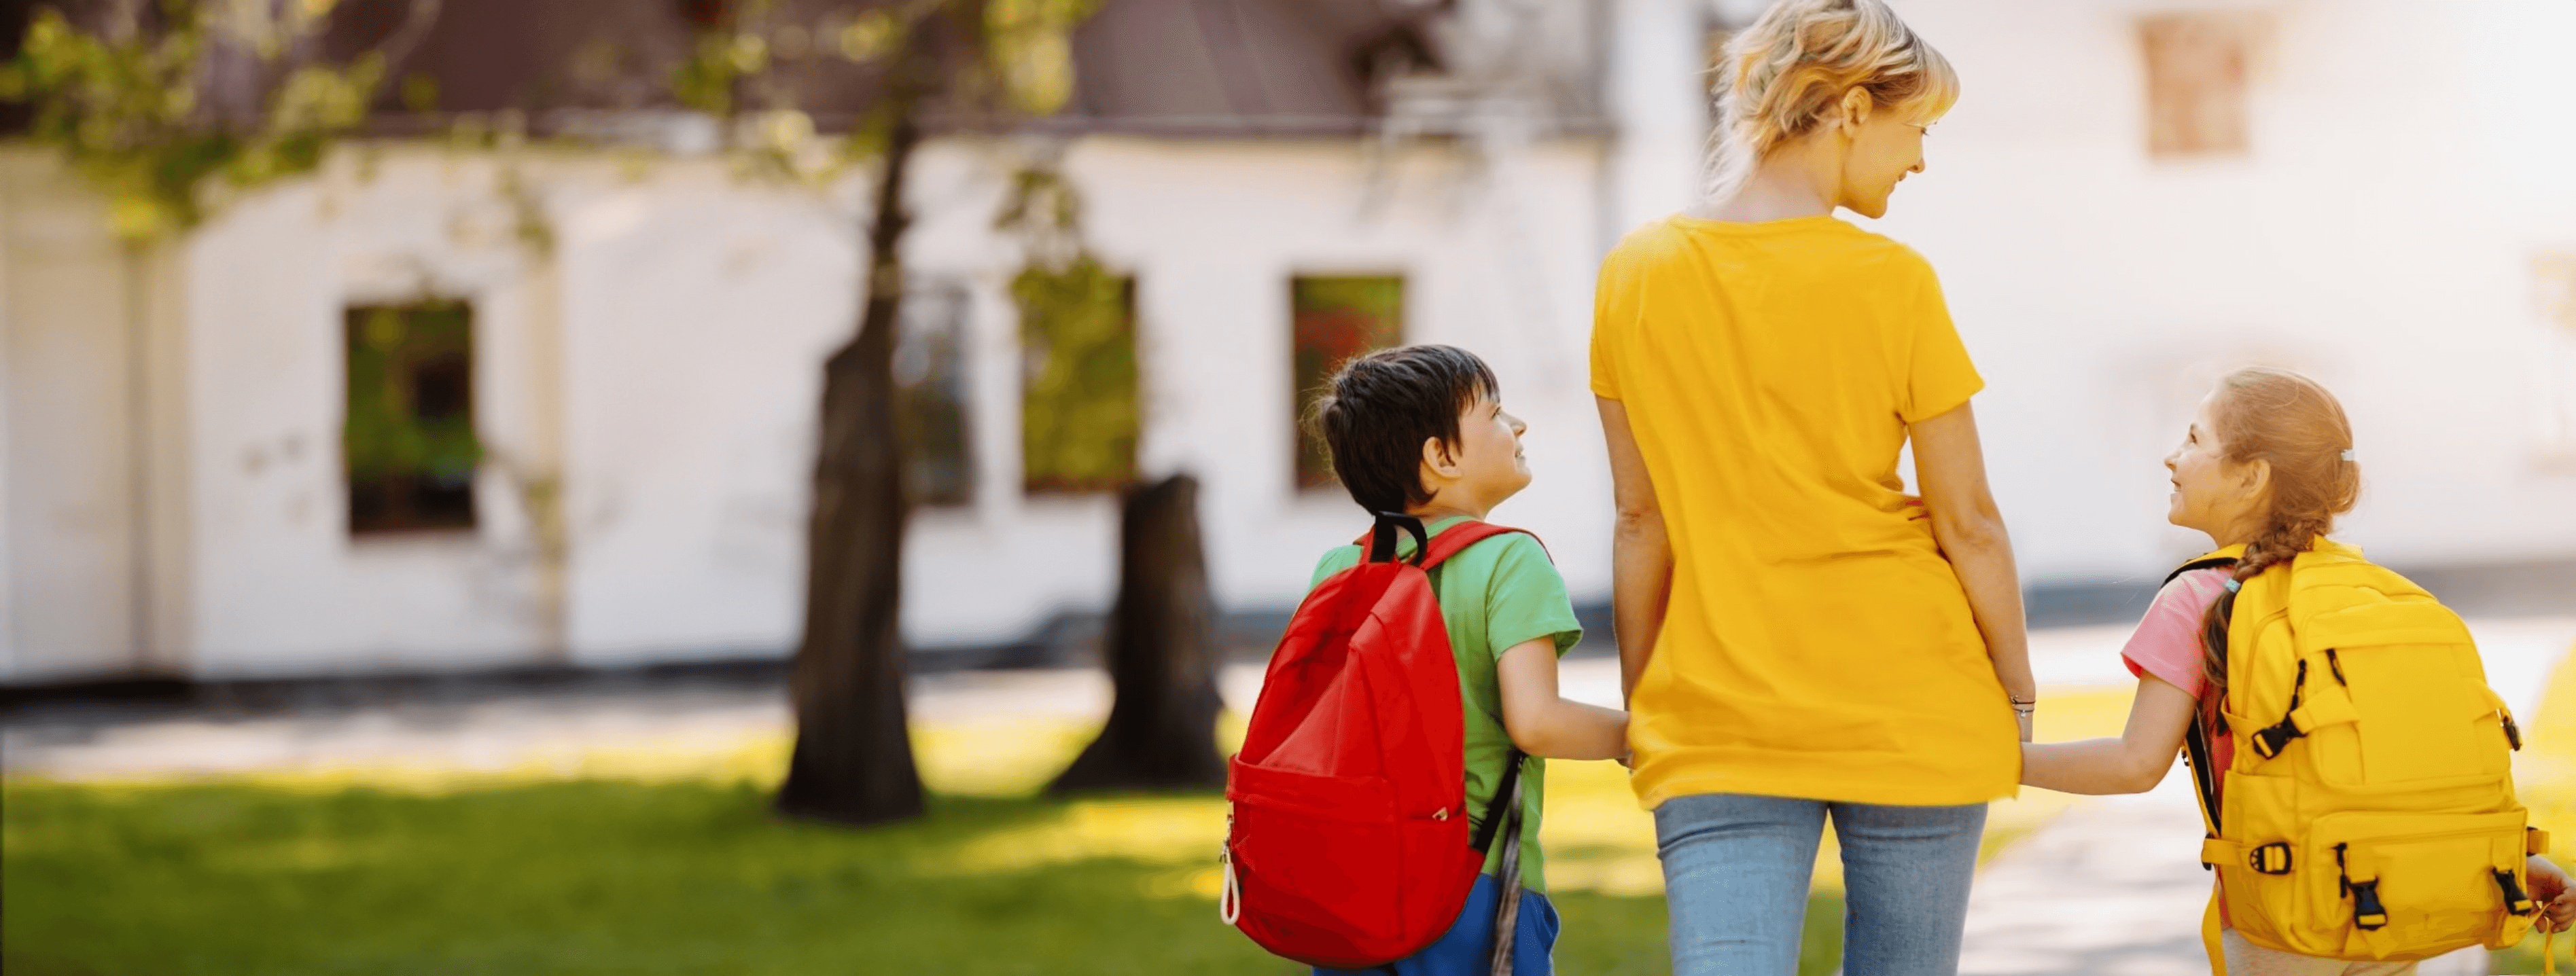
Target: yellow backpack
pixel 2369 811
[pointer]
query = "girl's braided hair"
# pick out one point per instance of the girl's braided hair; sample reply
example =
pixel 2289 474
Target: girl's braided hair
pixel 2291 423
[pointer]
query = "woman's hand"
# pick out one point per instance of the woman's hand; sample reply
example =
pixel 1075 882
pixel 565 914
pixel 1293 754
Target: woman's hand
pixel 2549 890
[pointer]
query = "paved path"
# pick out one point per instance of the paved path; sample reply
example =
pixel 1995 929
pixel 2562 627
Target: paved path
pixel 515 729
pixel 496 730
pixel 2110 888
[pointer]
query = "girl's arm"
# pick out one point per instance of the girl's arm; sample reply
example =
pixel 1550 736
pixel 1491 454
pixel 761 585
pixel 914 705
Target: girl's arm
pixel 2133 763
pixel 1950 465
pixel 1641 557
pixel 1542 722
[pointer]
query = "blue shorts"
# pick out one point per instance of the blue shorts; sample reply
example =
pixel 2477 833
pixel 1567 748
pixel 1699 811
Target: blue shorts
pixel 1467 949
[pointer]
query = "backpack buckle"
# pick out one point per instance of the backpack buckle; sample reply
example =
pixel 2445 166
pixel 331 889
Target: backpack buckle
pixel 2515 902
pixel 2268 742
pixel 2368 914
pixel 2272 858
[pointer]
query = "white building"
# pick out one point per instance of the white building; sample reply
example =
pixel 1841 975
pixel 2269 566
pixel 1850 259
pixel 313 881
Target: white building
pixel 2393 214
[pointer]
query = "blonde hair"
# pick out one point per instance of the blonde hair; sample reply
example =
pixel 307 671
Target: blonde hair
pixel 1784 75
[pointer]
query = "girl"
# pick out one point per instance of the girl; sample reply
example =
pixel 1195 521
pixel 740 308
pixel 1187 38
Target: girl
pixel 2266 464
pixel 1801 641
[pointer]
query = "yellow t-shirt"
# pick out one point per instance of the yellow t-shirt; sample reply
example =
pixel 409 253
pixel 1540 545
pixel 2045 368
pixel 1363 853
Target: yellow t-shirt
pixel 1817 644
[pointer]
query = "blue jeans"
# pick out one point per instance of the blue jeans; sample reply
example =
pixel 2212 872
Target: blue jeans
pixel 1467 949
pixel 1736 871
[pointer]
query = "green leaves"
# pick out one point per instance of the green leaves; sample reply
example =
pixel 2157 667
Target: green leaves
pixel 124 107
pixel 394 426
pixel 1080 409
pixel 1030 45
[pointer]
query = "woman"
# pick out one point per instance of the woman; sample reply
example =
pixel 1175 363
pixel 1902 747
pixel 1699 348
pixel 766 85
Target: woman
pixel 1799 639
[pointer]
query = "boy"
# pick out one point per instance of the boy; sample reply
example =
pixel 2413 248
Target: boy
pixel 1421 430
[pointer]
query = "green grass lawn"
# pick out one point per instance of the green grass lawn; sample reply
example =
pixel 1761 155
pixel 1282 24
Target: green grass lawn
pixel 602 876
pixel 634 867
pixel 653 861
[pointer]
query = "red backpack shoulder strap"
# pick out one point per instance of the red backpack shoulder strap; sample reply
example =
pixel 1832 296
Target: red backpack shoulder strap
pixel 1460 536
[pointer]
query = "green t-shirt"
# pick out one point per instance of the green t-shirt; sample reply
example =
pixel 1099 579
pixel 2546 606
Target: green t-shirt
pixel 1498 594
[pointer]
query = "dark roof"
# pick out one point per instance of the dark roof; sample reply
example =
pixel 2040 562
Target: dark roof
pixel 1279 67
pixel 1214 67
pixel 491 55
pixel 1249 66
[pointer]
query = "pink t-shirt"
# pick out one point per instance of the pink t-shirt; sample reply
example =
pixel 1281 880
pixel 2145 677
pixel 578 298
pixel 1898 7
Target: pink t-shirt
pixel 2167 642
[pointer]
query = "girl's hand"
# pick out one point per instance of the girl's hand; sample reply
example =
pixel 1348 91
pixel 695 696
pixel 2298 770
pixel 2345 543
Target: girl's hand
pixel 2549 889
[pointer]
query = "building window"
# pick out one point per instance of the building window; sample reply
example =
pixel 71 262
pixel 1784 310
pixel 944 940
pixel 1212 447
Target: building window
pixel 1333 320
pixel 930 394
pixel 1080 410
pixel 408 441
pixel 2197 68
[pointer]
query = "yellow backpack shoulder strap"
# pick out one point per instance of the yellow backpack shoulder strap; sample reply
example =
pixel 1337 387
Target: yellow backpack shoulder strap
pixel 2195 738
pixel 2204 777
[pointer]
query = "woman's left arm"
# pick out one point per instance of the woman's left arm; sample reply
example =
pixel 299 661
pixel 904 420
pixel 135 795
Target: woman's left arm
pixel 2133 763
pixel 1641 555
pixel 1950 464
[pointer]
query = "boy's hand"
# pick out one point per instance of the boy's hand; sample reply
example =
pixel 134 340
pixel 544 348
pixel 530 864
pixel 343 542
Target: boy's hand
pixel 2549 889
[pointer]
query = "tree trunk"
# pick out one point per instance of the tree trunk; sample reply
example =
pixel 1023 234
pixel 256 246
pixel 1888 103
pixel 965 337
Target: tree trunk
pixel 853 758
pixel 1161 653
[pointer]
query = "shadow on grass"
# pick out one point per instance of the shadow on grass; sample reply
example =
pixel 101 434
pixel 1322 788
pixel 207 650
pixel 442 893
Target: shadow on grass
pixel 582 877
pixel 604 876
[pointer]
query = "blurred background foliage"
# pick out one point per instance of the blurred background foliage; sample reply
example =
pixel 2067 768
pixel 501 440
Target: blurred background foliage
pixel 1335 318
pixel 1081 409
pixel 135 112
pixel 409 412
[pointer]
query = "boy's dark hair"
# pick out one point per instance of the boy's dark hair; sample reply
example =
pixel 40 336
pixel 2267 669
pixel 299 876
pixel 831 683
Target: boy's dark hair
pixel 1376 411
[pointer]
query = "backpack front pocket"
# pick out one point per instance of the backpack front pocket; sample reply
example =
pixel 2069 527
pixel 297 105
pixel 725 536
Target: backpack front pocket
pixel 2390 697
pixel 2409 886
pixel 1317 853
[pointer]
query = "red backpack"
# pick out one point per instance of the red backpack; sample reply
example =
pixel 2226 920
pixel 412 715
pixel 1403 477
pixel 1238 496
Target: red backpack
pixel 1348 846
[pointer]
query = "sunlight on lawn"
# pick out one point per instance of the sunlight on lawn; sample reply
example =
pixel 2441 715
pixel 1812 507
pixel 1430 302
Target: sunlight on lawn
pixel 665 857
pixel 1598 839
pixel 1597 836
